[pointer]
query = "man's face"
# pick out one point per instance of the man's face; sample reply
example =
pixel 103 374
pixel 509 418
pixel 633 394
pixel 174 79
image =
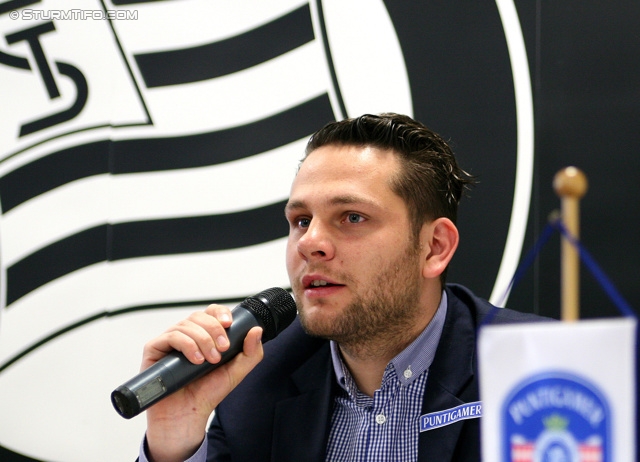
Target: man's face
pixel 354 268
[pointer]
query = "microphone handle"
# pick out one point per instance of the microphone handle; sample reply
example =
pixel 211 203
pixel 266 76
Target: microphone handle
pixel 174 371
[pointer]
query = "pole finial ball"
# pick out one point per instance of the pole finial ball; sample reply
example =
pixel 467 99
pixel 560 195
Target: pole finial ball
pixel 570 181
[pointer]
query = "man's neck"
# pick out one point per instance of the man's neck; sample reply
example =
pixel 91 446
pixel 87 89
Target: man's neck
pixel 366 372
pixel 367 362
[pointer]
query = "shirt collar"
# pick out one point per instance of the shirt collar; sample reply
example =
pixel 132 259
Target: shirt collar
pixel 411 362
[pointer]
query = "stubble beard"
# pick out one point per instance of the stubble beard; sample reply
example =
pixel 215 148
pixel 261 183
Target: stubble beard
pixel 380 320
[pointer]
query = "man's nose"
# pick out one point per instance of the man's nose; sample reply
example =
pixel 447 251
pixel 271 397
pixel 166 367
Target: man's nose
pixel 317 241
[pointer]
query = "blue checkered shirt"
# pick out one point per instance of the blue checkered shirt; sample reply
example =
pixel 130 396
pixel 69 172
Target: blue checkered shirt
pixel 384 427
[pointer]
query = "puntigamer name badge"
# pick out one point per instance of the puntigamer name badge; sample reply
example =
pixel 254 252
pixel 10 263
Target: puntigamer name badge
pixel 449 416
pixel 556 417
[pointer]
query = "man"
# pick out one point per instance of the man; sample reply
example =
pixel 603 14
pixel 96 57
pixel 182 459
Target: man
pixel 380 340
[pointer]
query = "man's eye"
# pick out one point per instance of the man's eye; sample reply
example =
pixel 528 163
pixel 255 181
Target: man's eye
pixel 304 222
pixel 355 218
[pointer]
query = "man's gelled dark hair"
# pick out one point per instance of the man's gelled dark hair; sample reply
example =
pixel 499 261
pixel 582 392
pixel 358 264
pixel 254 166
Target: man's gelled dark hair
pixel 430 181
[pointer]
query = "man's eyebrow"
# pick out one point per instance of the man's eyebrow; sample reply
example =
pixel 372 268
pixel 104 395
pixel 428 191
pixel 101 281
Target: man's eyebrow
pixel 292 205
pixel 350 199
pixel 336 200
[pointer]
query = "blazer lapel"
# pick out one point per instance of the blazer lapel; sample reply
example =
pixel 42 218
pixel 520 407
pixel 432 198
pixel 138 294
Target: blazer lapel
pixel 301 423
pixel 451 382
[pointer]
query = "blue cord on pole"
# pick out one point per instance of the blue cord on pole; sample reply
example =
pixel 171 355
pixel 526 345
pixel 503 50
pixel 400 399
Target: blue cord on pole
pixel 555 224
pixel 606 284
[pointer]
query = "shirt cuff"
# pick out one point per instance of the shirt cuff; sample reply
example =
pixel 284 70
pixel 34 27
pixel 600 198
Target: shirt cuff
pixel 199 456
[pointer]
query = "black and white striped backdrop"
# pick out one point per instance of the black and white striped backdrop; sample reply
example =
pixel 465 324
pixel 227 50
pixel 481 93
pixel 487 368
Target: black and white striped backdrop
pixel 147 149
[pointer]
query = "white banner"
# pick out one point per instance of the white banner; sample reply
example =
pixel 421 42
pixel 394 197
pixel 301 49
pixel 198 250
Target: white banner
pixel 559 392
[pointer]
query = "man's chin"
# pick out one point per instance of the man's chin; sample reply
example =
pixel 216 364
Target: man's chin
pixel 315 327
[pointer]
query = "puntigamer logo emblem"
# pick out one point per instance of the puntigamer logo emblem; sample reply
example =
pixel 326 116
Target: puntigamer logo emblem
pixel 556 417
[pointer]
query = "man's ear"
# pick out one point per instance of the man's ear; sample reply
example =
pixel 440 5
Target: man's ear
pixel 439 240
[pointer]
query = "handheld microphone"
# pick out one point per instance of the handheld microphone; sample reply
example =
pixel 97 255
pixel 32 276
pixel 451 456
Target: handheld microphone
pixel 272 309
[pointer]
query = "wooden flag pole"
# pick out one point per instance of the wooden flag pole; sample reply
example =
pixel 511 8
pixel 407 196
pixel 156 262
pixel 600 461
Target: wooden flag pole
pixel 570 184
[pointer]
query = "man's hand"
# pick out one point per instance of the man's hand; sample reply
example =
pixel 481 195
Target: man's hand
pixel 176 425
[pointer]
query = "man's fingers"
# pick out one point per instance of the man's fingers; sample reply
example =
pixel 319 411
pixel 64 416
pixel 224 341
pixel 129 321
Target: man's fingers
pixel 201 336
pixel 221 313
pixel 252 346
pixel 252 353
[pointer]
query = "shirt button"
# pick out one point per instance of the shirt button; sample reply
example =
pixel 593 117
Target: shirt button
pixel 380 419
pixel 407 373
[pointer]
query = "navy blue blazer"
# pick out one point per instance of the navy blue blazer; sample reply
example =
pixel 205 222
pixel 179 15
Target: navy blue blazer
pixel 281 412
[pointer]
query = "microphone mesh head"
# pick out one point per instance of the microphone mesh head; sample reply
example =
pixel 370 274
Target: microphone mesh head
pixel 274 308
